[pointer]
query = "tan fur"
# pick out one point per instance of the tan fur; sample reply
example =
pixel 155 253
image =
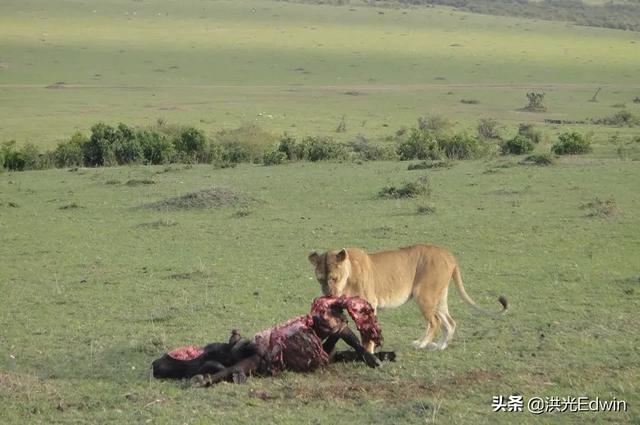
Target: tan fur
pixel 390 278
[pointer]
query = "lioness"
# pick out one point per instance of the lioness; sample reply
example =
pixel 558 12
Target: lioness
pixel 391 278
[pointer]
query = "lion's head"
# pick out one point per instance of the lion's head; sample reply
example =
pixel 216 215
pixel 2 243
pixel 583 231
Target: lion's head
pixel 332 270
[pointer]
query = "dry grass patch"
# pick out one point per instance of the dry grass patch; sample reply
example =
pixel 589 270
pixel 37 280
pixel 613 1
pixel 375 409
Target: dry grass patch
pixel 427 165
pixel 599 208
pixel 18 386
pixel 425 210
pixel 158 224
pixel 139 182
pixel 189 275
pixel 71 206
pixel 543 159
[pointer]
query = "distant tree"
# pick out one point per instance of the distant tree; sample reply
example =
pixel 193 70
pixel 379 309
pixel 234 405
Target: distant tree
pixel 535 102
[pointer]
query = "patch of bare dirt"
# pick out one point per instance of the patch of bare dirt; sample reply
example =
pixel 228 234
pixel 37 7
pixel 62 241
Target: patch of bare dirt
pixel 56 85
pixel 189 275
pixel 393 392
pixel 20 386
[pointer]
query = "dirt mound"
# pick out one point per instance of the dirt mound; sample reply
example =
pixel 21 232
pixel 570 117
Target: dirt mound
pixel 214 197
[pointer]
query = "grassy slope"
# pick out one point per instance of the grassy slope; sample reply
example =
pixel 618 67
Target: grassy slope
pixel 91 295
pixel 219 64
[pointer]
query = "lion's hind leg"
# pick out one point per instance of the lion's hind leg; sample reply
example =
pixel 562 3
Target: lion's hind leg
pixel 429 311
pixel 431 297
pixel 433 324
pixel 448 324
pixel 448 328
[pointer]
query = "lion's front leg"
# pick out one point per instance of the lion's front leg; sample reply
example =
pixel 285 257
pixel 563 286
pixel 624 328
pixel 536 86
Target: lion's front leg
pixel 370 346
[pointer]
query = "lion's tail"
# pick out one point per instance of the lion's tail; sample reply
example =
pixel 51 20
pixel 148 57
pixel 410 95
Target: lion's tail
pixel 457 278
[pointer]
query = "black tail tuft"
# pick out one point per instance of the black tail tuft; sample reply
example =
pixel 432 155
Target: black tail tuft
pixel 504 302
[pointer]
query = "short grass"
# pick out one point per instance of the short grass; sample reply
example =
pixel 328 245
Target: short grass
pixel 294 67
pixel 95 284
pixel 92 294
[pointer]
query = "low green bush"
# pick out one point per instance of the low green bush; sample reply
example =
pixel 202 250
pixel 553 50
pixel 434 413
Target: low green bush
pixel 156 147
pixel 488 128
pixel 427 145
pixel 420 144
pixel 36 160
pixel 274 157
pixel 530 132
pixel 71 152
pixel 324 149
pixel 108 145
pixel 190 144
pixel 294 150
pixel 623 118
pixel 162 144
pixel 415 189
pixel 236 153
pixel 368 151
pixel 571 144
pixel 247 143
pixel 519 145
pixel 13 159
pixel 213 153
pixel 128 150
pixel 459 146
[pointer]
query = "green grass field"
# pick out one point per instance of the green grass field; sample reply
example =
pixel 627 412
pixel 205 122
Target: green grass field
pixel 295 68
pixel 94 287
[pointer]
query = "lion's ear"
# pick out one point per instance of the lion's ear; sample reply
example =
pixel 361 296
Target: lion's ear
pixel 314 258
pixel 342 255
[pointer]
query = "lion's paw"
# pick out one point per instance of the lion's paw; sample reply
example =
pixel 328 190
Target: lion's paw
pixel 418 344
pixel 432 346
